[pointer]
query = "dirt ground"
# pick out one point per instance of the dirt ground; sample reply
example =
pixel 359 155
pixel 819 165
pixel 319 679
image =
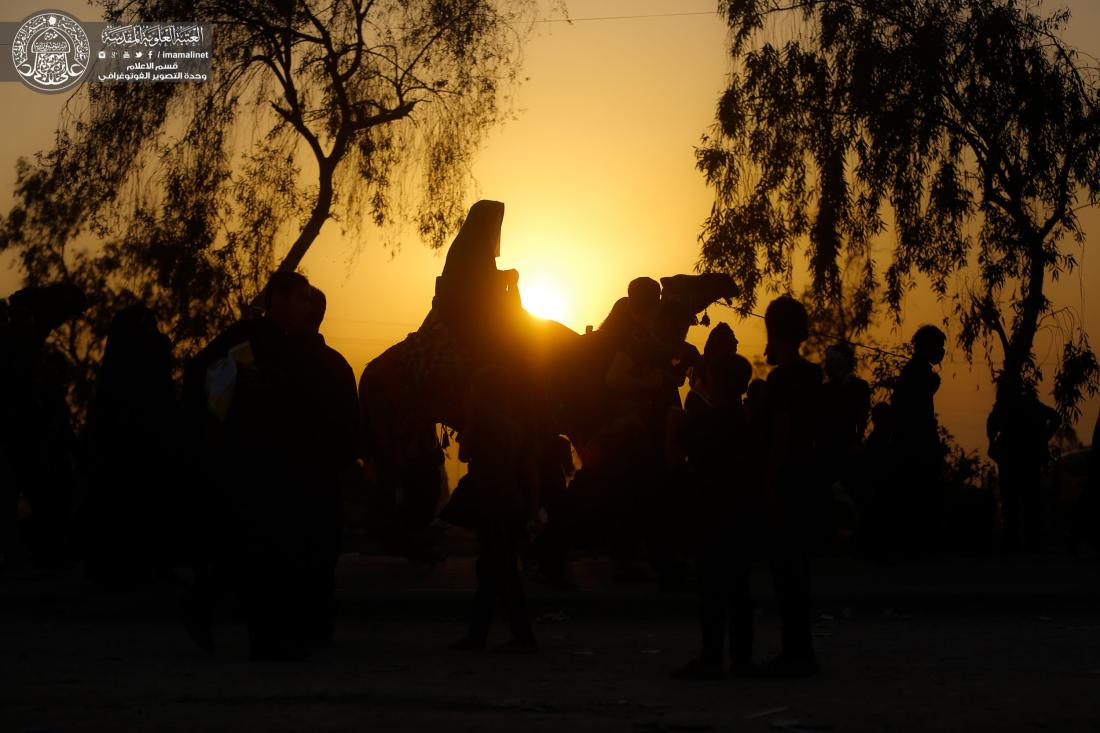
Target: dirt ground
pixel 951 645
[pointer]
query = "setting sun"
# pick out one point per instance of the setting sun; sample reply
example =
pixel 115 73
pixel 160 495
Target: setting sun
pixel 544 299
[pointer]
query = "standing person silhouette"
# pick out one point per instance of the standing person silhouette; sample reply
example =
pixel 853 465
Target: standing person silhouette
pixel 331 445
pixel 1019 430
pixel 133 440
pixel 37 441
pixel 251 486
pixel 502 479
pixel 794 393
pixel 916 452
pixel 845 409
pixel 715 436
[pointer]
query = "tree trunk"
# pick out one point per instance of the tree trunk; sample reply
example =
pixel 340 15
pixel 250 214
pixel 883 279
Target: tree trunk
pixel 322 207
pixel 1023 335
pixel 321 210
pixel 1009 384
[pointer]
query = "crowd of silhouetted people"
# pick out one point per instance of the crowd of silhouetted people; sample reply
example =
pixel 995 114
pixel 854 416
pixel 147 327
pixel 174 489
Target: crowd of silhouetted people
pixel 235 474
pixel 238 472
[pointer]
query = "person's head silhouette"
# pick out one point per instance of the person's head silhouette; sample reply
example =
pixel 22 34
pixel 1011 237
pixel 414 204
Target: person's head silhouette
pixel 721 342
pixel 739 371
pixel 787 326
pixel 840 361
pixel 882 415
pixel 287 300
pixel 756 398
pixel 929 344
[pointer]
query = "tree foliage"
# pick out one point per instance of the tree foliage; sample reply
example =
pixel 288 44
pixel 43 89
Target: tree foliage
pixel 967 128
pixel 187 196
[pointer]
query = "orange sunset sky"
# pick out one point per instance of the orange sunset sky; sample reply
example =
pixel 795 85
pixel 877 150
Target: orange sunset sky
pixel 599 179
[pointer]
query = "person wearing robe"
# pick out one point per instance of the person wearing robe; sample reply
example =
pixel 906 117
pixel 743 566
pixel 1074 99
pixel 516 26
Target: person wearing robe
pixel 253 475
pixel 130 518
pixel 330 451
pixel 37 443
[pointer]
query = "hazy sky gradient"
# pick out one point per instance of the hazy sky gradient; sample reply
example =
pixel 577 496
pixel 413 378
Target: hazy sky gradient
pixel 599 181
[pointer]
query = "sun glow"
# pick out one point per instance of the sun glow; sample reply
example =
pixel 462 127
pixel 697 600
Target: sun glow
pixel 543 298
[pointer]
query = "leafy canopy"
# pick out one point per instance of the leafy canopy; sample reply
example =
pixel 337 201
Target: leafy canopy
pixel 186 196
pixel 967 127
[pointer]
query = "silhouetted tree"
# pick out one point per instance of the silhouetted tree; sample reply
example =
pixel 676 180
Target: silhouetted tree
pixel 967 125
pixel 185 196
